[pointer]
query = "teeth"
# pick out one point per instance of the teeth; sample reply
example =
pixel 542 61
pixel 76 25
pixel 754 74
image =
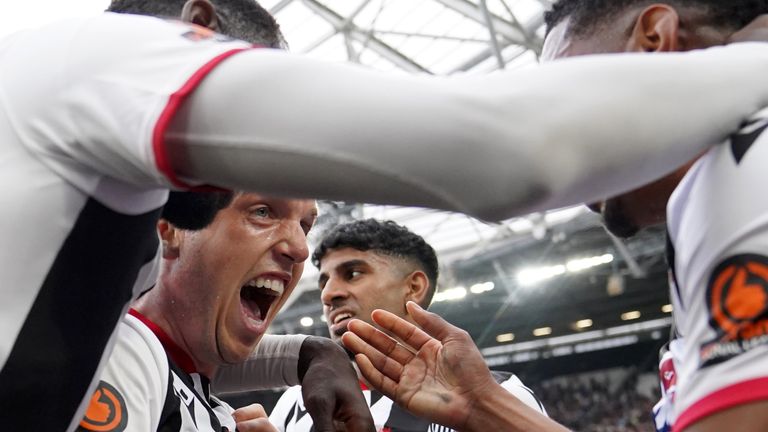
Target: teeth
pixel 277 286
pixel 341 317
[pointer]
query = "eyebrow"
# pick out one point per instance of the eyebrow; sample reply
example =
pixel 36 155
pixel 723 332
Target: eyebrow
pixel 352 263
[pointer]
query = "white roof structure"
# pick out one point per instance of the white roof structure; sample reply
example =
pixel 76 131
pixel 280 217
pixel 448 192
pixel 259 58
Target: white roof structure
pixel 441 37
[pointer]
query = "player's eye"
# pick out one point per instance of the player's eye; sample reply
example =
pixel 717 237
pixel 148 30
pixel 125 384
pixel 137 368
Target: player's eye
pixel 260 212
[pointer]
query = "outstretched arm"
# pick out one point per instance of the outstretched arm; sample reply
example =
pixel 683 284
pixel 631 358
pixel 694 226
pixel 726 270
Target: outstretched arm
pixel 492 146
pixel 438 373
pixel 151 105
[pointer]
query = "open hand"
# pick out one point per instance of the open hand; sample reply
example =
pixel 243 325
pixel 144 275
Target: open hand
pixel 436 373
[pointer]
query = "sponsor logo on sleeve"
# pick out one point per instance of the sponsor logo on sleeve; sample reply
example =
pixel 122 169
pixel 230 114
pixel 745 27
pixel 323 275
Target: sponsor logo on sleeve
pixel 106 411
pixel 737 296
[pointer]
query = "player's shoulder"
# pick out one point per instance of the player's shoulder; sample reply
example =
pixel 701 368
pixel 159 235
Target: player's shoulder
pixel 726 176
pixel 137 344
pixel 750 133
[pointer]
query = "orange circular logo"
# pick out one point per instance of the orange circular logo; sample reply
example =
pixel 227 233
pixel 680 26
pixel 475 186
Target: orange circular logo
pixel 106 412
pixel 738 297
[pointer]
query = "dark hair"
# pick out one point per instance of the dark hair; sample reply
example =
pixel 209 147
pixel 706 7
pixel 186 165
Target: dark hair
pixel 588 15
pixel 194 210
pixel 383 237
pixel 241 19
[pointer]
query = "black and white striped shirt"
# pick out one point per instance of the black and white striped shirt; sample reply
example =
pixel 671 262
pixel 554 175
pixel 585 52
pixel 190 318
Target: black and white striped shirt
pixel 290 415
pixel 150 384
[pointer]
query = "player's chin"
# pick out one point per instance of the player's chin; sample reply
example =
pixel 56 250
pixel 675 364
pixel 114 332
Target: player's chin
pixel 622 229
pixel 617 221
pixel 237 352
pixel 236 345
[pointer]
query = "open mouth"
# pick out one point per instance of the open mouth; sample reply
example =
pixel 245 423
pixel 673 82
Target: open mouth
pixel 258 295
pixel 340 321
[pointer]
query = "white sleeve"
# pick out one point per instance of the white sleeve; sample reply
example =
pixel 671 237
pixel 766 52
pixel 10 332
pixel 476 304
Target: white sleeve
pixel 147 103
pixel 274 363
pixel 491 146
pixel 131 393
pixel 89 97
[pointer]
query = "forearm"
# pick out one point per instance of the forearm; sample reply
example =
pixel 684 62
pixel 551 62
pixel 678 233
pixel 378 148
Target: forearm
pixel 499 410
pixel 494 146
pixel 274 363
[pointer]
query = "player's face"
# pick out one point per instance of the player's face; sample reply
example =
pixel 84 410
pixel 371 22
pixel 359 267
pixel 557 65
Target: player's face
pixel 353 283
pixel 233 276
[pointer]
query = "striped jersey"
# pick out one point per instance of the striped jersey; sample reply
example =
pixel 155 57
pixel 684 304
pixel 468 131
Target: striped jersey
pixel 290 414
pixel 718 253
pixel 150 384
pixel 83 108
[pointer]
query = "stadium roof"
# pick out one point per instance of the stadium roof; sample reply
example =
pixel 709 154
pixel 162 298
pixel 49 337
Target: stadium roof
pixel 440 37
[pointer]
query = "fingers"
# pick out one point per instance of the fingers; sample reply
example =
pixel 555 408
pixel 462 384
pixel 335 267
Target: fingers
pixel 253 411
pixel 256 425
pixel 382 361
pixel 434 325
pixel 381 382
pixel 380 341
pixel 252 418
pixel 411 335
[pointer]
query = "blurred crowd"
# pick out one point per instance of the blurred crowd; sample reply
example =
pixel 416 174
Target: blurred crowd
pixel 594 405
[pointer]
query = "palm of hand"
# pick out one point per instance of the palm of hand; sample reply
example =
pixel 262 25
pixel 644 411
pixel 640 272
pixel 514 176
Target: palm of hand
pixel 440 378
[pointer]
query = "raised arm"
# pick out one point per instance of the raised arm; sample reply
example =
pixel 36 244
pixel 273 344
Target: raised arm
pixel 492 146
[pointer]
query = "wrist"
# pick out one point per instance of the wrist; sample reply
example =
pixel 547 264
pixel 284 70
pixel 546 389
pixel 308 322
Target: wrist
pixel 495 408
pixel 318 351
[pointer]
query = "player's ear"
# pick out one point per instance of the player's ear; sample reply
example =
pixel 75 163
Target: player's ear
pixel 169 236
pixel 200 12
pixel 418 286
pixel 656 29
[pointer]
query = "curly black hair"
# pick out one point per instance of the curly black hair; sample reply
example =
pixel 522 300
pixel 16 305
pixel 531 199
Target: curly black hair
pixel 383 237
pixel 588 15
pixel 240 19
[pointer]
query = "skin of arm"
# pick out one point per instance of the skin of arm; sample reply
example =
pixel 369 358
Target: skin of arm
pixel 438 373
pixel 309 361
